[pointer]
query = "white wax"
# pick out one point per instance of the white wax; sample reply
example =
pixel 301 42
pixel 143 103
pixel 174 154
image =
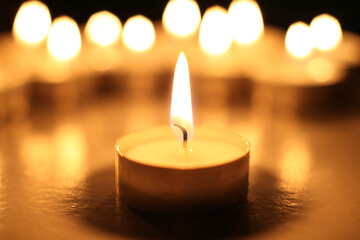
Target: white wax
pixel 170 153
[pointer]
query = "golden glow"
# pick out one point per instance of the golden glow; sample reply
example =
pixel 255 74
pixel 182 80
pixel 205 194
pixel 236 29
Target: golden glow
pixel 59 158
pixel 321 69
pixel 326 31
pixel 181 17
pixel 32 22
pixel 215 37
pixel 139 33
pixel 70 145
pixel 36 152
pixel 181 109
pixel 246 21
pixel 103 28
pixel 64 40
pixel 295 163
pixel 298 40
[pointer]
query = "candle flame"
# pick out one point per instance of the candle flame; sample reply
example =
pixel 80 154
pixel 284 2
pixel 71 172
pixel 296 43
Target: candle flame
pixel 215 36
pixel 181 17
pixel 64 40
pixel 139 33
pixel 103 28
pixel 326 32
pixel 298 40
pixel 181 117
pixel 32 22
pixel 246 21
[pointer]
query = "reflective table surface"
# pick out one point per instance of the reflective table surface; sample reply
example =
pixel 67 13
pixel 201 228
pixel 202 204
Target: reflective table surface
pixel 57 168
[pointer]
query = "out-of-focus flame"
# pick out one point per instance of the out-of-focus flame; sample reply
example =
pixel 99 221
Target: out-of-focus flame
pixel 139 33
pixel 181 17
pixel 181 109
pixel 298 40
pixel 326 31
pixel 295 164
pixel 103 28
pixel 246 21
pixel 64 40
pixel 32 22
pixel 321 69
pixel 215 36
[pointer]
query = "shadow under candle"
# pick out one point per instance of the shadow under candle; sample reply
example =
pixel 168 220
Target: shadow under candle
pixel 267 207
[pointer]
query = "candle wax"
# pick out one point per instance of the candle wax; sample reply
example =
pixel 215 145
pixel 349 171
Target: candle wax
pixel 154 173
pixel 170 153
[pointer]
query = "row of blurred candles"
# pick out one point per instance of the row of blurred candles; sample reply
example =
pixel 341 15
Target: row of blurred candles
pixel 232 43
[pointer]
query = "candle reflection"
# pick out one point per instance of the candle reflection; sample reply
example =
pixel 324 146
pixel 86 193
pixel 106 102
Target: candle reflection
pixel 58 159
pixel 71 154
pixel 3 202
pixel 32 22
pixel 321 69
pixel 36 152
pixel 295 164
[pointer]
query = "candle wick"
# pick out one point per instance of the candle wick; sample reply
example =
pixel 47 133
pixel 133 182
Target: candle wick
pixel 185 135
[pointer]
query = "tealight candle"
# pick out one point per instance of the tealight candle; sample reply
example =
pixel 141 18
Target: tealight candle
pixel 202 173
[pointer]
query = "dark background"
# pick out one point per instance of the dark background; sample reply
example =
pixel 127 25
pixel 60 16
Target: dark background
pixel 276 12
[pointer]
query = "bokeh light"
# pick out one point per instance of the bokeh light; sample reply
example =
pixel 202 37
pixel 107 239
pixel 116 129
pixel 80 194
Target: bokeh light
pixel 181 17
pixel 246 21
pixel 215 37
pixel 320 69
pixel 103 28
pixel 298 40
pixel 295 164
pixel 32 22
pixel 139 33
pixel 326 31
pixel 64 40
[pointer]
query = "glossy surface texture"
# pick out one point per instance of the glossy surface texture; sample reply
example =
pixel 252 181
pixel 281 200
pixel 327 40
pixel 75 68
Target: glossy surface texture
pixel 57 166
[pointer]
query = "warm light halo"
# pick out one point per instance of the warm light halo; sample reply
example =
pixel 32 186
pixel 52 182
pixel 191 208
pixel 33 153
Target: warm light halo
pixel 103 28
pixel 215 36
pixel 181 107
pixel 326 31
pixel 139 33
pixel 298 40
pixel 246 21
pixel 64 40
pixel 181 17
pixel 321 69
pixel 32 22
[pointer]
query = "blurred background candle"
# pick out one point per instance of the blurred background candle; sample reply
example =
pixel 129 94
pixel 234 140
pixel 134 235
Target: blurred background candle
pixel 215 36
pixel 139 33
pixel 298 40
pixel 326 32
pixel 64 41
pixel 181 17
pixel 103 28
pixel 102 32
pixel 246 21
pixel 32 22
